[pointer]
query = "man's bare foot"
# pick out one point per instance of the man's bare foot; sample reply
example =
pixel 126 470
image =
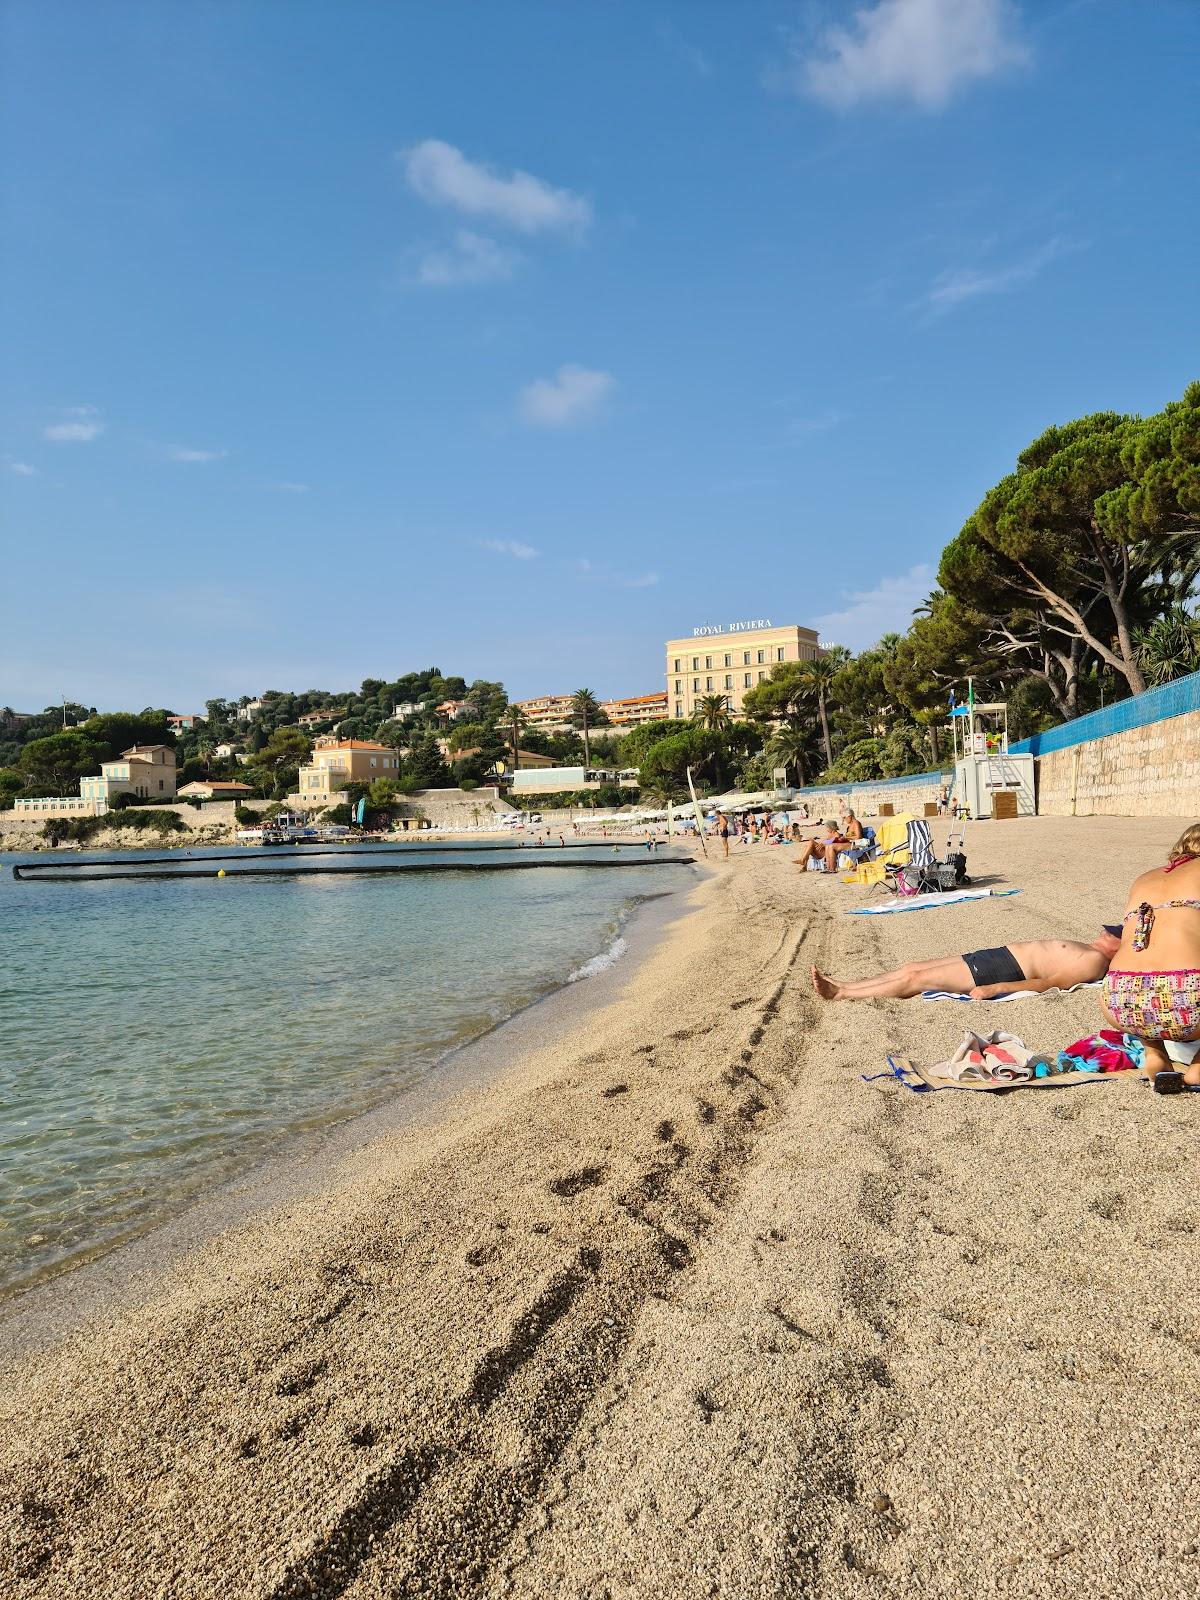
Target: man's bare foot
pixel 825 987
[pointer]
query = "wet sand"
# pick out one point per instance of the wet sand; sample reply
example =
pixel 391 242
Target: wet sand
pixel 675 1305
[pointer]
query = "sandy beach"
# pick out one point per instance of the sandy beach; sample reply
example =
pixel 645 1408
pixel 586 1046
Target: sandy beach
pixel 675 1305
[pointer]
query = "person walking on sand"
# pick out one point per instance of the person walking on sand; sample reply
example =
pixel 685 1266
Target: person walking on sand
pixel 1038 965
pixel 723 833
pixel 1153 989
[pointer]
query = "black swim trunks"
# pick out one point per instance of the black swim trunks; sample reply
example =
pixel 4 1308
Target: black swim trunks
pixel 998 965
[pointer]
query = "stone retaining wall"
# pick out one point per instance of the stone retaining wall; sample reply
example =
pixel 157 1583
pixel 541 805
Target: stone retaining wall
pixel 1151 771
pixel 866 798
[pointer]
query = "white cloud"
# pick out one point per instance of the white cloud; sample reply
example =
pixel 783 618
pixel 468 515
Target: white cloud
pixel 509 547
pixel 21 468
pixel 647 580
pixel 951 288
pixel 574 394
pixel 799 426
pixel 182 453
pixel 284 486
pixel 80 425
pixel 442 175
pixel 685 51
pixel 919 50
pixel 472 258
pixel 870 613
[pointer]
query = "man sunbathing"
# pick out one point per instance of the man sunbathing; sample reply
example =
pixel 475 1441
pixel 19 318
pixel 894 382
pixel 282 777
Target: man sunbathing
pixel 984 974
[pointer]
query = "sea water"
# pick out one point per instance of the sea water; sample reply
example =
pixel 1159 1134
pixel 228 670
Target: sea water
pixel 159 1036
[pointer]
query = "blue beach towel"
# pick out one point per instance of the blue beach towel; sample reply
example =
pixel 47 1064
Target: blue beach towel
pixel 926 902
pixel 1014 994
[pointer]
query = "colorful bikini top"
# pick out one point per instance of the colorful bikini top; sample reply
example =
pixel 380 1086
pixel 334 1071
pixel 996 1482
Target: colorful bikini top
pixel 1145 918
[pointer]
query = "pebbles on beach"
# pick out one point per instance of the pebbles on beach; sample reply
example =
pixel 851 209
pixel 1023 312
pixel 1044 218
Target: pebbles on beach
pixel 678 1307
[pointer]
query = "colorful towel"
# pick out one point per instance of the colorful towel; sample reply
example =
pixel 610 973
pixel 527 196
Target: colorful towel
pixel 1015 994
pixel 1106 1051
pixel 923 902
pixel 990 1062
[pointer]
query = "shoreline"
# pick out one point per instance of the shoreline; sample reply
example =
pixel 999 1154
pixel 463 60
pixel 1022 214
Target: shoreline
pixel 676 1305
pixel 58 1305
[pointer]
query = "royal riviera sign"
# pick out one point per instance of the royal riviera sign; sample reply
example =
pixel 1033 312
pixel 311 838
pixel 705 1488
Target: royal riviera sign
pixel 731 627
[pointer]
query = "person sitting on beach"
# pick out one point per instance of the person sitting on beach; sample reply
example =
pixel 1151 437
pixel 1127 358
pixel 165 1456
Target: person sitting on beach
pixel 826 846
pixel 1038 965
pixel 1154 989
pixel 853 828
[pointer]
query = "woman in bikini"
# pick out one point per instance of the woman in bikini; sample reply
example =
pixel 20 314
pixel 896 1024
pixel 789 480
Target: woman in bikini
pixel 1152 988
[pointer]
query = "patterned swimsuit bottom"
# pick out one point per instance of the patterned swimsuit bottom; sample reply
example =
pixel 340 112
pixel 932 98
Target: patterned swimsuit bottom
pixel 1155 1005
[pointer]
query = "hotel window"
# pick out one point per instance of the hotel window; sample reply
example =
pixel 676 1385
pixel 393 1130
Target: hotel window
pixel 676 663
pixel 708 683
pixel 761 676
pixel 779 654
pixel 745 658
pixel 728 678
pixel 695 663
pixel 746 680
pixel 762 656
pixel 678 686
pixel 695 685
pixel 372 760
pixel 678 709
pixel 707 662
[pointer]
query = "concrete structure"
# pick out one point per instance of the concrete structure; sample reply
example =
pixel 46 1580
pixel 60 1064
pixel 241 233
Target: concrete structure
pixel 53 805
pixel 337 762
pixel 547 713
pixel 224 751
pixel 730 659
pixel 637 709
pixel 313 719
pixel 201 790
pixel 406 709
pixel 553 780
pixel 250 710
pixel 180 724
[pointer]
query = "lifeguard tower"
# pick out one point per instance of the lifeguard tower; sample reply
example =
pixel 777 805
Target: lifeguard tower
pixel 985 772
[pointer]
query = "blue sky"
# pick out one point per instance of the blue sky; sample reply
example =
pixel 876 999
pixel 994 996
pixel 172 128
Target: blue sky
pixel 346 338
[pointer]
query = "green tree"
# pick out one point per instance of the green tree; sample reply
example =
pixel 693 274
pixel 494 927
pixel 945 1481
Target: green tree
pixel 789 747
pixel 712 712
pixel 424 762
pixel 1170 647
pixel 585 710
pixel 820 674
pixel 287 747
pixel 515 721
pixel 663 771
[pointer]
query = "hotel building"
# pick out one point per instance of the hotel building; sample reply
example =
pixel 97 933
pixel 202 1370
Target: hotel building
pixel 337 762
pixel 730 659
pixel 548 713
pixel 638 708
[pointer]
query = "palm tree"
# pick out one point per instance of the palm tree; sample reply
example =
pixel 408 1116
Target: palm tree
pixel 516 721
pixel 788 747
pixel 584 707
pixel 713 711
pixel 819 674
pixel 1170 646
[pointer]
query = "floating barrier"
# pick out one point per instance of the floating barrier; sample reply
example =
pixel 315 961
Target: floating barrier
pixel 86 871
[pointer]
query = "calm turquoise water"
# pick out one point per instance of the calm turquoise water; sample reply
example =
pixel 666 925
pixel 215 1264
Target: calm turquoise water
pixel 159 1036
